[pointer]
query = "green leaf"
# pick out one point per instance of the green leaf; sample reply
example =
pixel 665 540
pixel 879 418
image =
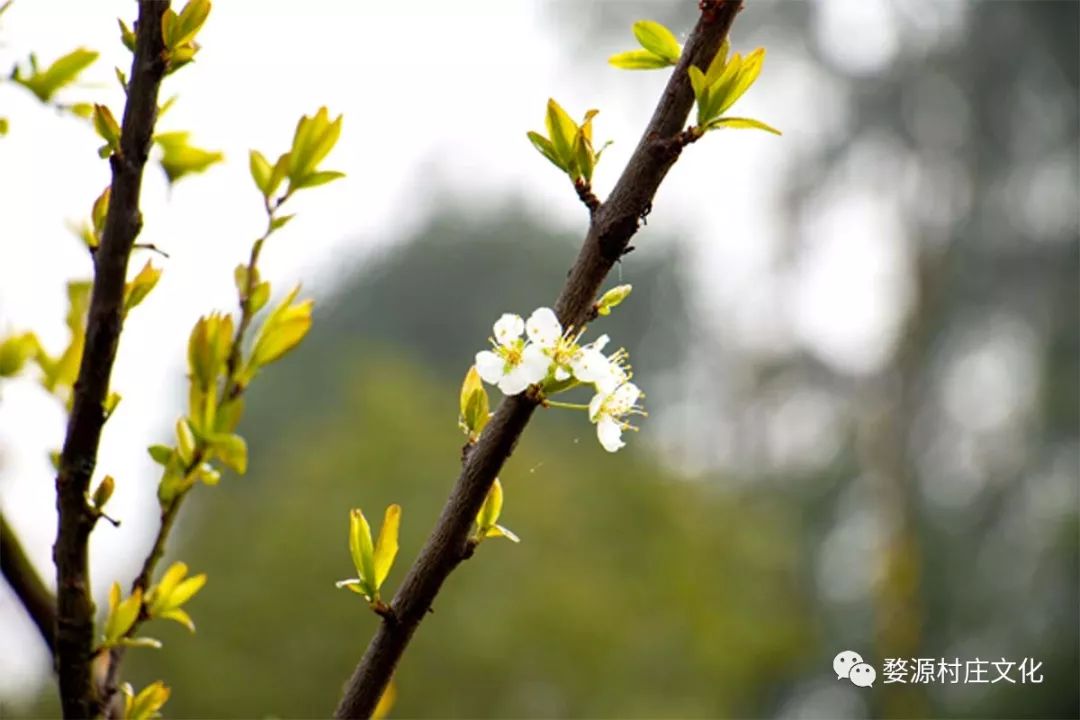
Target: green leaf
pixel 362 550
pixel 179 158
pixel 231 450
pixel 319 177
pixel 742 123
pixel 147 703
pixel 748 73
pixel 126 35
pixel 697 82
pixel 122 614
pixel 261 293
pixel 281 169
pixel 103 492
pixel 719 91
pixel 313 140
pixel 186 590
pixel 161 454
pixel 638 60
pixel 544 146
pixel 4 126
pixel 62 72
pixel 492 507
pixel 179 616
pixel 158 597
pixel 142 642
pixel 185 445
pixel 99 213
pixel 189 22
pixel 613 298
pixel 474 405
pixel 500 531
pixel 276 224
pixel 140 286
pixel 561 129
pixel 719 62
pixel 386 546
pixel 106 126
pixel 658 40
pixel 261 171
pixel 282 331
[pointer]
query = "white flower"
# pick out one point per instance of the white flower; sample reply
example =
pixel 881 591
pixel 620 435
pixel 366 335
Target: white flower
pixel 514 364
pixel 609 410
pixel 608 372
pixel 544 329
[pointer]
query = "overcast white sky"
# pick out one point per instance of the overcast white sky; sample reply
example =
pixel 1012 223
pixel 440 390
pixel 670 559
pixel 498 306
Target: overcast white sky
pixel 436 96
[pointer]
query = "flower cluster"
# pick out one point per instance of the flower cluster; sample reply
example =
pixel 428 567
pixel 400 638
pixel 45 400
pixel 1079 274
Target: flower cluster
pixel 538 351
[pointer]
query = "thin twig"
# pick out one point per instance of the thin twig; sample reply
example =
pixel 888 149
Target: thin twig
pixel 612 226
pixel 36 599
pixel 75 611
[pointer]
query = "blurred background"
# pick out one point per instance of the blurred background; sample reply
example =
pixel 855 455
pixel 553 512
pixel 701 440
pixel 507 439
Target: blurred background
pixel 859 342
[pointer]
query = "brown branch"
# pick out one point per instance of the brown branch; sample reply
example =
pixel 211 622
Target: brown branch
pixel 75 611
pixel 612 226
pixel 39 603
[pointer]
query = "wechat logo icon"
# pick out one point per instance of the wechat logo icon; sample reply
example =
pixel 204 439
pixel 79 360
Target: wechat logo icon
pixel 849 664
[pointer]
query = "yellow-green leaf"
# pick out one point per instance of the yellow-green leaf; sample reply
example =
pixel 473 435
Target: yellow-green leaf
pixel 719 62
pixel 544 146
pixel 561 129
pixel 749 71
pixel 474 406
pixel 261 172
pixel 106 126
pixel 122 614
pixel 500 531
pixel 386 546
pixel 492 507
pixel 362 549
pixel 282 331
pixel 180 158
pixel 147 703
pixel 743 123
pixel 64 71
pixel 231 450
pixel 638 60
pixel 319 177
pixel 179 616
pixel 140 286
pixel 658 40
pixel 126 35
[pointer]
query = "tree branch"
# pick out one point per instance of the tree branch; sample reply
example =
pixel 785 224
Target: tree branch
pixel 24 580
pixel 75 611
pixel 610 230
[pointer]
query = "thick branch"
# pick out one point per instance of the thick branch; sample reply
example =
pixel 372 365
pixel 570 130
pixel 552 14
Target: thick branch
pixel 612 226
pixel 24 580
pixel 75 611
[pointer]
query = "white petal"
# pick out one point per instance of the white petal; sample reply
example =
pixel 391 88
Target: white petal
pixel 489 366
pixel 514 381
pixel 508 328
pixel 624 398
pixel 609 433
pixel 601 342
pixel 561 374
pixel 543 327
pixel 591 366
pixel 608 383
pixel 595 405
pixel 535 363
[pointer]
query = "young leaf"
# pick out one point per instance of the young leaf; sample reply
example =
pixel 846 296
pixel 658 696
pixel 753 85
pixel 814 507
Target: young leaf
pixel 386 547
pixel 62 72
pixel 492 507
pixel 261 172
pixel 122 614
pixel 231 450
pixel 748 73
pixel 283 330
pixel 161 454
pixel 362 550
pixel 474 406
pixel 147 703
pixel 127 37
pixel 658 40
pixel 103 492
pixel 179 158
pixel 544 146
pixel 638 60
pixel 742 123
pixel 319 177
pixel 561 130
pixel 140 286
pixel 106 126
